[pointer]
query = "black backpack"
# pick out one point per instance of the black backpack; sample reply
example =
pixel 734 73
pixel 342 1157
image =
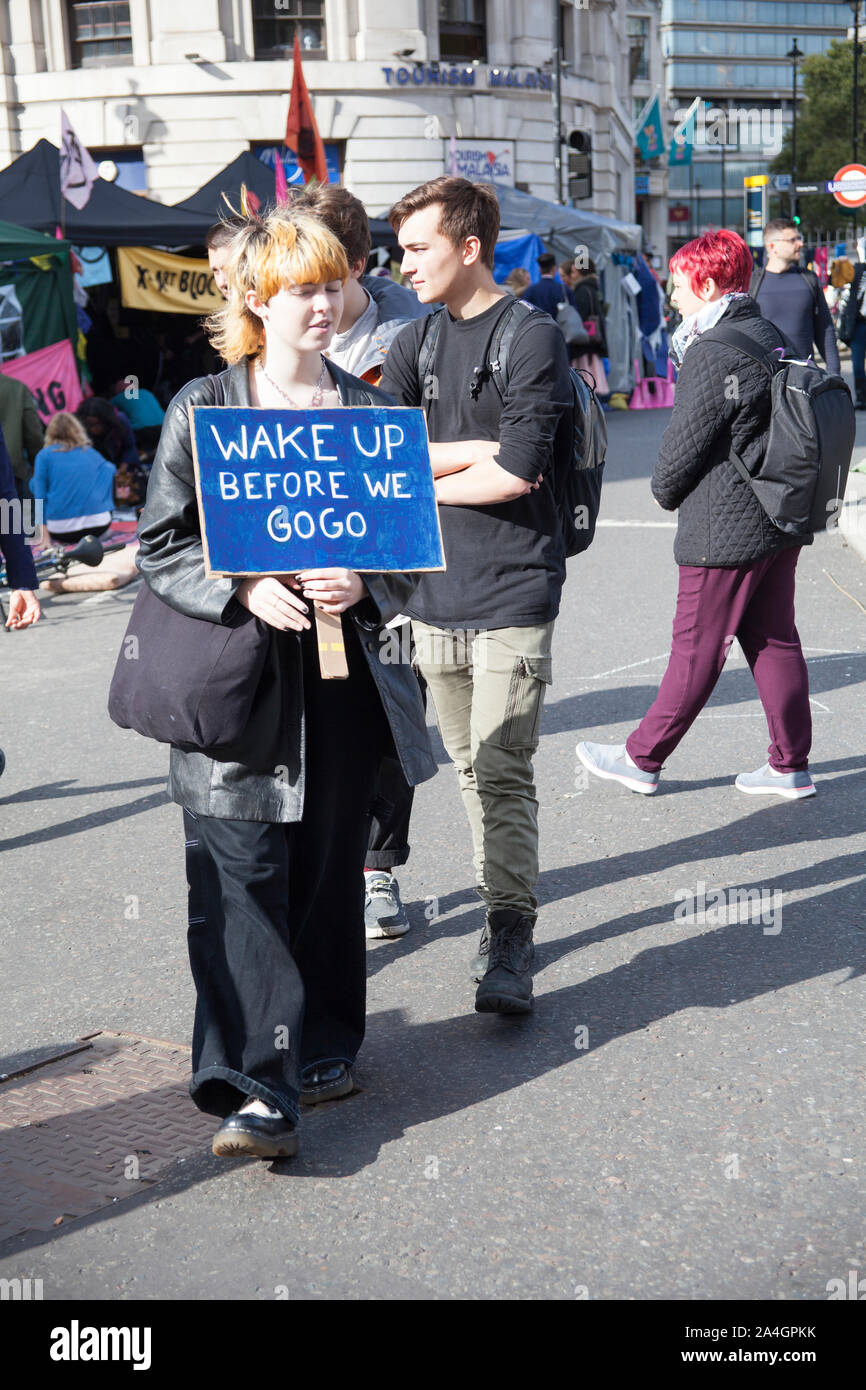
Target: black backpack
pixel 800 481
pixel 579 492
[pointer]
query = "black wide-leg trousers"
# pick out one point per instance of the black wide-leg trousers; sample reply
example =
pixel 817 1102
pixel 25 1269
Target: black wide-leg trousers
pixel 276 912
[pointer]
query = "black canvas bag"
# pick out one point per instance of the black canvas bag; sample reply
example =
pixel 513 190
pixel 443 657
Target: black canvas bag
pixel 800 481
pixel 187 681
pixel 193 683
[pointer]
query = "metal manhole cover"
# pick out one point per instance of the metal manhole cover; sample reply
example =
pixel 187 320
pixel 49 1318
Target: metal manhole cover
pixel 94 1125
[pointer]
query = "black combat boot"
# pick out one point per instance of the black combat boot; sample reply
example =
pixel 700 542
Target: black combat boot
pixel 507 984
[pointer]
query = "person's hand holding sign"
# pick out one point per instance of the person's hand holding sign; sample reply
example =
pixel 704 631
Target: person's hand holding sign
pixel 332 590
pixel 272 600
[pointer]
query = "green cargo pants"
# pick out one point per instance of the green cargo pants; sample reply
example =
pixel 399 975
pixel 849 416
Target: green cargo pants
pixel 488 690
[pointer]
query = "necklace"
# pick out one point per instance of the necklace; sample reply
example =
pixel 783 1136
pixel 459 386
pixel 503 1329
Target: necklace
pixel 317 394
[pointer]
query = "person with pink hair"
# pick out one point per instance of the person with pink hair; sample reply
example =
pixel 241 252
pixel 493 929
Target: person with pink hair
pixel 737 568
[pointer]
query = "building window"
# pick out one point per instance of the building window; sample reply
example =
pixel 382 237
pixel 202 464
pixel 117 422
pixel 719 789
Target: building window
pixel 274 28
pixel 638 47
pixel 100 33
pixel 462 30
pixel 130 165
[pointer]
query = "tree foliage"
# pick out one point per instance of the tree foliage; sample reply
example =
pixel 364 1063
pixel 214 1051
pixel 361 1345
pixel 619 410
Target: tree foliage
pixel 825 127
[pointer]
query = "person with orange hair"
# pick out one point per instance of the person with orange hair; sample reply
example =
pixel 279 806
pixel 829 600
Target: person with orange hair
pixel 276 835
pixel 736 567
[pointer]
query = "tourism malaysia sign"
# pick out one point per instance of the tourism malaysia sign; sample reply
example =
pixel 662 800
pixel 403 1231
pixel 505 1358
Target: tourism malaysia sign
pixel 478 160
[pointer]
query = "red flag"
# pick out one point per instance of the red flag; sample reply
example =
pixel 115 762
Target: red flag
pixel 302 133
pixel 281 187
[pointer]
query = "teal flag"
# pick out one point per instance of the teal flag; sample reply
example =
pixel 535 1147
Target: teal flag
pixel 649 135
pixel 683 142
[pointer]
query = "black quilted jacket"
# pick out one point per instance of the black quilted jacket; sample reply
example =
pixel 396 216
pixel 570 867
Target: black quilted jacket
pixel 722 399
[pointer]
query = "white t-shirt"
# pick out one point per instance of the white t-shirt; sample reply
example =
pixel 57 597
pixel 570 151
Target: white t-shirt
pixel 357 350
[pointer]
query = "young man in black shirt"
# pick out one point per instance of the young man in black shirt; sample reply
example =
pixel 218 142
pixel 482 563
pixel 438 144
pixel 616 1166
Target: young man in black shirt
pixel 483 628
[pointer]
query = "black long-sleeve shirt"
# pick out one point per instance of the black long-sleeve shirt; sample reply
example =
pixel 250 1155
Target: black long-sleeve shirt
pixel 20 569
pixel 786 299
pixel 505 562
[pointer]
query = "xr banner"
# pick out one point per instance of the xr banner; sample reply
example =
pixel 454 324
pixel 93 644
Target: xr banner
pixel 51 377
pixel 170 284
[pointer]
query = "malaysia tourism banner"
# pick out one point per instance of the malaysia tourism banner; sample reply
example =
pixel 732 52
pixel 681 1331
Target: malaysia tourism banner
pixel 51 376
pixel 480 160
pixel 286 490
pixel 171 284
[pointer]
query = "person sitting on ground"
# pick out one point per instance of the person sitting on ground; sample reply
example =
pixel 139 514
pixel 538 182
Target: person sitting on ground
pixel 109 430
pixel 111 435
pixel 142 410
pixel 74 481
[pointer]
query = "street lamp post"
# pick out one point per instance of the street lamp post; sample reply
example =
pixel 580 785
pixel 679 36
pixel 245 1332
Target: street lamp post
pixel 557 103
pixel 794 56
pixel 855 6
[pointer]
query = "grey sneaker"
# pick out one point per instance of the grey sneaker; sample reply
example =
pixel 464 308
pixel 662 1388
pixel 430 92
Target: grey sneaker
pixel 608 760
pixel 384 914
pixel 791 785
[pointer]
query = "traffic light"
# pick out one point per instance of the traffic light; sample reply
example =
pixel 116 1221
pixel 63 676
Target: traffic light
pixel 796 219
pixel 579 164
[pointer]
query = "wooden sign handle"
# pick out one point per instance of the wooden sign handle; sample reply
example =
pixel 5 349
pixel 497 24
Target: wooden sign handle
pixel 332 647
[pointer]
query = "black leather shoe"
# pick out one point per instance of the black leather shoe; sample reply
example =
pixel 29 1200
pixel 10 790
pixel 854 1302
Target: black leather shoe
pixel 325 1081
pixel 507 984
pixel 481 959
pixel 255 1136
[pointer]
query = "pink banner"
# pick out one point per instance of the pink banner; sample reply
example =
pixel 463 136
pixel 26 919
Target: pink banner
pixel 51 375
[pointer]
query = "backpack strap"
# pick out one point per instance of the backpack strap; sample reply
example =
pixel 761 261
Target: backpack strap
pixel 427 351
pixel 503 337
pixel 757 280
pixel 726 333
pixel 766 357
pixel 815 286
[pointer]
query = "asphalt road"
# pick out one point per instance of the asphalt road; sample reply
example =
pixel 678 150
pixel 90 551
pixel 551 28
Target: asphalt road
pixel 683 1114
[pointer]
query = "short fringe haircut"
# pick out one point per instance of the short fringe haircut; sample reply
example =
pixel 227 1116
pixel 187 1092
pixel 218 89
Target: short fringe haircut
pixel 467 209
pixel 224 231
pixel 284 248
pixel 342 213
pixel 721 256
pixel 65 431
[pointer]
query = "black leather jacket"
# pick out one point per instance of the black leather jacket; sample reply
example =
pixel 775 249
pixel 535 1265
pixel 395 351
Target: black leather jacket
pixel 171 560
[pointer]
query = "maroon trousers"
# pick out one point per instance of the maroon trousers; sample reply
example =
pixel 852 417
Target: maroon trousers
pixel 755 604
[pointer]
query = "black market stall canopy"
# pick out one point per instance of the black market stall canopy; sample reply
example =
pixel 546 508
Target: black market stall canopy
pixel 209 201
pixel 30 194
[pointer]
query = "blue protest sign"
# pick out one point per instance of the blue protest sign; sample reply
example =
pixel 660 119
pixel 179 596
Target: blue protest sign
pixel 287 490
